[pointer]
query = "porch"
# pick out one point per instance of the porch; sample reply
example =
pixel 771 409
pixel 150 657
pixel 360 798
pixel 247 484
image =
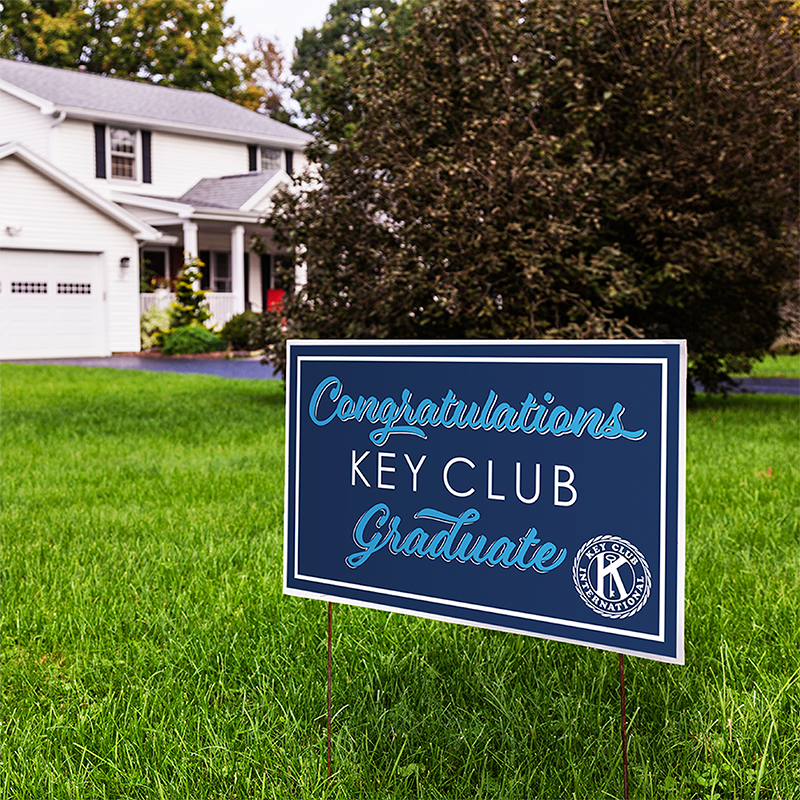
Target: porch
pixel 221 305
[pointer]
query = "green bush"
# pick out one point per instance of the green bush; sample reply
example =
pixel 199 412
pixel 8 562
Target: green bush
pixel 154 324
pixel 191 339
pixel 240 331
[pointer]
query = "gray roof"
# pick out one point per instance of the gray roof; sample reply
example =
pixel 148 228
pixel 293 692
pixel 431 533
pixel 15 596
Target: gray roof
pixel 103 95
pixel 231 192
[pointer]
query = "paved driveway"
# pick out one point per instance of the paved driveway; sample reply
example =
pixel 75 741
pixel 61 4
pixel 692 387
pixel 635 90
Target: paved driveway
pixel 253 368
pixel 221 367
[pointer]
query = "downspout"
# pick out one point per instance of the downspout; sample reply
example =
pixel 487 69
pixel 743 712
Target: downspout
pixel 59 118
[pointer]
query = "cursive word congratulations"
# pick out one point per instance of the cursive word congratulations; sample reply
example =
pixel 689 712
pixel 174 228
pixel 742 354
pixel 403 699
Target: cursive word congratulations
pixel 522 554
pixel 329 402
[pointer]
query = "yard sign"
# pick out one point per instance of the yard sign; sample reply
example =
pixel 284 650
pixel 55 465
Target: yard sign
pixel 534 487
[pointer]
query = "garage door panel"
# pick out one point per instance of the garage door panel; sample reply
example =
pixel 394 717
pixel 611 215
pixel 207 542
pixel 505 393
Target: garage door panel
pixel 51 305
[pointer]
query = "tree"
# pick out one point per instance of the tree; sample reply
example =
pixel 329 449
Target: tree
pixel 560 170
pixel 262 88
pixel 181 43
pixel 321 52
pixel 190 306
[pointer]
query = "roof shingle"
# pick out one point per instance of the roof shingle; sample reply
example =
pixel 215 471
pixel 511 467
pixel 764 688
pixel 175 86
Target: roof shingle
pixel 230 192
pixel 101 94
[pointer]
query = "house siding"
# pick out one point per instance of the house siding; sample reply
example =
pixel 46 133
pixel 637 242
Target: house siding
pixel 22 122
pixel 180 161
pixel 51 218
pixel 55 220
pixel 76 152
pixel 300 163
pixel 177 161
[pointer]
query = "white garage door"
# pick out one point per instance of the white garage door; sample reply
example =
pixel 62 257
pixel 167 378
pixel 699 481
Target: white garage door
pixel 51 305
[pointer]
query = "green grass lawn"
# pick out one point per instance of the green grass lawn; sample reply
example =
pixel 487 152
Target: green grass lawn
pixel 148 651
pixel 782 366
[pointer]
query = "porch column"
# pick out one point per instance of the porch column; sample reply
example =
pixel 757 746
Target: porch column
pixel 189 240
pixel 237 268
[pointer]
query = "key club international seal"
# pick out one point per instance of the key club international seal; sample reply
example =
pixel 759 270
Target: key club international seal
pixel 612 577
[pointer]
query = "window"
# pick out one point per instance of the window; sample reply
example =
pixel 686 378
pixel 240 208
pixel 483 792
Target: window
pixel 276 278
pixel 154 270
pixel 217 270
pixel 267 159
pixel 221 273
pixel 123 153
pixel 270 159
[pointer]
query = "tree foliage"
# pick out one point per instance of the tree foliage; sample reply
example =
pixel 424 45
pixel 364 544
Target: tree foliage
pixel 190 307
pixel 183 43
pixel 320 53
pixel 262 88
pixel 555 169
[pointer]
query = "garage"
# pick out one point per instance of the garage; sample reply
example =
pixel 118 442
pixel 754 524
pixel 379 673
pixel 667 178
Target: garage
pixel 69 278
pixel 52 304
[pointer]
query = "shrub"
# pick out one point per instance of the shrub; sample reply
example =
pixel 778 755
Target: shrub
pixel 191 339
pixel 190 303
pixel 154 324
pixel 240 331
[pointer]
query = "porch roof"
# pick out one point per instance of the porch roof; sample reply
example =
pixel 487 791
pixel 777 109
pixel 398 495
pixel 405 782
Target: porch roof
pixel 231 191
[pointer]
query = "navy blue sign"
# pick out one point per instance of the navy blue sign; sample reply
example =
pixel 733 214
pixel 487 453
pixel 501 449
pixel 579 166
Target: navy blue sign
pixel 534 487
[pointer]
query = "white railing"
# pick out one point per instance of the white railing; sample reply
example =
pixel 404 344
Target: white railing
pixel 220 304
pixel 161 298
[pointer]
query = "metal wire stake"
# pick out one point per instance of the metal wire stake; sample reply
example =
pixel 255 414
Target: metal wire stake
pixel 624 727
pixel 330 639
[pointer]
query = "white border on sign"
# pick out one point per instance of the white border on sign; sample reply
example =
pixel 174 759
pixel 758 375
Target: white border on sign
pixel 680 567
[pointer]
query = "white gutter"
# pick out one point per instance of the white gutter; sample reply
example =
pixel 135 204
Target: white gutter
pixel 49 108
pixel 190 129
pixel 60 116
pixel 177 211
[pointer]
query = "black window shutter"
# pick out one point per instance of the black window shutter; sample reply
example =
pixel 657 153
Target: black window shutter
pixel 289 154
pixel 99 150
pixel 252 154
pixel 147 171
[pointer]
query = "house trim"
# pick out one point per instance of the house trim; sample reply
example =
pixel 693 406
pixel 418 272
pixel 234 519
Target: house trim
pixel 175 212
pixel 280 177
pixel 45 106
pixel 141 230
pixel 48 108
pixel 210 132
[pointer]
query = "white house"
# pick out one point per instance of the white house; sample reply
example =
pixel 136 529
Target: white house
pixel 104 182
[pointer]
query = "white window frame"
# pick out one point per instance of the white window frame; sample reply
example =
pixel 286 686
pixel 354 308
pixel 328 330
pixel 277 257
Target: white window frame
pixel 212 268
pixel 136 158
pixel 215 278
pixel 262 150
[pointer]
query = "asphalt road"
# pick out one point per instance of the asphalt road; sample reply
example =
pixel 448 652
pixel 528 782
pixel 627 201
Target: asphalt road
pixel 252 368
